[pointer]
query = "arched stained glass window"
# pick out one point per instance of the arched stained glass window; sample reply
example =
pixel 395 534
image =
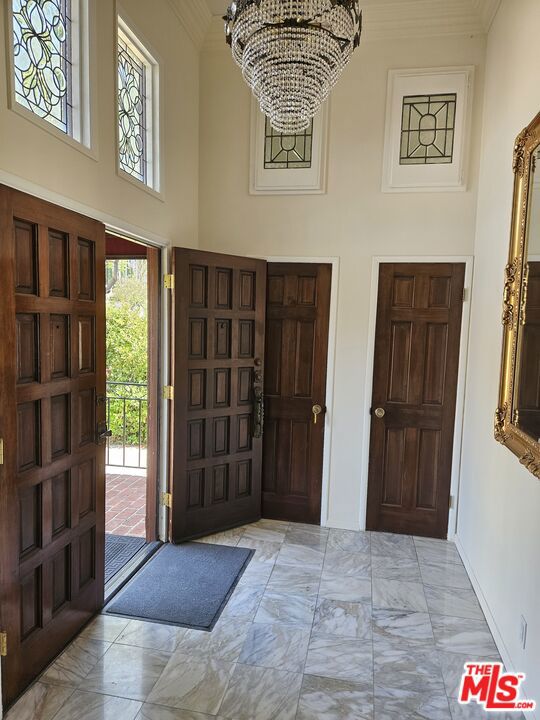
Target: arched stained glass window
pixel 42 59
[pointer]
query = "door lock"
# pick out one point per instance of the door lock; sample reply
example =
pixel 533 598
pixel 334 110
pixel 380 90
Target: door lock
pixel 380 413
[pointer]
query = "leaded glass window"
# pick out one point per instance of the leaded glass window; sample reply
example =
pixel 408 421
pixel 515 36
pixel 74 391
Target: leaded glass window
pixel 132 111
pixel 42 59
pixel 427 129
pixel 282 151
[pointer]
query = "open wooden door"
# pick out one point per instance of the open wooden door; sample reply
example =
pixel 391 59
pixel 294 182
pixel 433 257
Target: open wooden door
pixel 52 385
pixel 218 354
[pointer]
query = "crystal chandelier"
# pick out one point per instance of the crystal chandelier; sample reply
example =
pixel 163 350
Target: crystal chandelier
pixel 292 52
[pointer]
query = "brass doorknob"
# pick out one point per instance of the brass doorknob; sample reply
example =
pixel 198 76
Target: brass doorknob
pixel 316 410
pixel 380 413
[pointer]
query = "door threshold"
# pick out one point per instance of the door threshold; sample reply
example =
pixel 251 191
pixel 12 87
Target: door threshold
pixel 117 582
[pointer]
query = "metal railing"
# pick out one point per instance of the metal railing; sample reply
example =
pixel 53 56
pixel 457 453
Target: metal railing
pixel 127 418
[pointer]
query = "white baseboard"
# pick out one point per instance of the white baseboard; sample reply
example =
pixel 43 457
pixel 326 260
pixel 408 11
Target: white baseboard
pixel 490 619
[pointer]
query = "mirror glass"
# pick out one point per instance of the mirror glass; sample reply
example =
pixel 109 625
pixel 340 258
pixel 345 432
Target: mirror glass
pixel 527 407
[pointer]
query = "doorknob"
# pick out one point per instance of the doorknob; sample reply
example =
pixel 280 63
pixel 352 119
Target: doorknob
pixel 102 433
pixel 380 413
pixel 316 410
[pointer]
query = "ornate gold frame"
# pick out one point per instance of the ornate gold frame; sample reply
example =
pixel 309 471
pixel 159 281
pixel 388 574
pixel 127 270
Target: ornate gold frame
pixel 506 429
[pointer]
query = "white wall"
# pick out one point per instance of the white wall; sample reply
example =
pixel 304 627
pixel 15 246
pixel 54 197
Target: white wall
pixel 34 155
pixel 499 512
pixel 34 160
pixel 354 220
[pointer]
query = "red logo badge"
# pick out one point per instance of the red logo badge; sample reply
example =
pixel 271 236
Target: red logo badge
pixel 487 684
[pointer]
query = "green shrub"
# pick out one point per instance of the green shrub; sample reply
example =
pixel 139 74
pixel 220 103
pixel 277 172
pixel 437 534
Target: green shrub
pixel 127 349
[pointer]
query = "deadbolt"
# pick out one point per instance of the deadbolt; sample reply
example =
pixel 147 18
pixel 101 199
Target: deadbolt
pixel 380 413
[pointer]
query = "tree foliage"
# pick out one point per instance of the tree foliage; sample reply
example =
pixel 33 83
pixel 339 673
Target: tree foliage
pixel 127 348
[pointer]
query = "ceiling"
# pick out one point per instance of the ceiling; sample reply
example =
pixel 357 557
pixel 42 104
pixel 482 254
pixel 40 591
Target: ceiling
pixel 444 16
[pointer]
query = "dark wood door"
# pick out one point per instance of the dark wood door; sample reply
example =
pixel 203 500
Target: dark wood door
pixel 528 385
pixel 218 358
pixel 414 397
pixel 297 318
pixel 52 513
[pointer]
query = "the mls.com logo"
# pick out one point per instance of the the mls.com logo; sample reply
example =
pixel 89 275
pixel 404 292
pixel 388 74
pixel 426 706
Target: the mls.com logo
pixel 487 684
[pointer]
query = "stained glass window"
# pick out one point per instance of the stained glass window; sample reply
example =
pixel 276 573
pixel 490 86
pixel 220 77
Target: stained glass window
pixel 42 59
pixel 282 152
pixel 427 129
pixel 133 75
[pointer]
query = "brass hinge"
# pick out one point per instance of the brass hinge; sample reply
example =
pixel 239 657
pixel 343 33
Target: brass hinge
pixel 465 294
pixel 3 644
pixel 166 500
pixel 1 451
pixel 168 282
pixel 168 392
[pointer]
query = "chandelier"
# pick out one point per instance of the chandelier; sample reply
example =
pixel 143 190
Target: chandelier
pixel 292 52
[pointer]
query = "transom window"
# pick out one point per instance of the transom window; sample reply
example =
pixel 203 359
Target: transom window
pixel 285 151
pixel 427 129
pixel 137 109
pixel 49 69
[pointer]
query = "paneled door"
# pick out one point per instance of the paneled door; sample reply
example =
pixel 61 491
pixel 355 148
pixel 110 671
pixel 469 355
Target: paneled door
pixel 52 385
pixel 297 318
pixel 218 362
pixel 414 397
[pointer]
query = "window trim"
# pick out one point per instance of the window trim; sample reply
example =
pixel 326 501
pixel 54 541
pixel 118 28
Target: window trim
pixel 142 50
pixel 82 137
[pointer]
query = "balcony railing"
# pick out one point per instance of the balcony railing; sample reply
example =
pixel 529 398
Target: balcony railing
pixel 127 418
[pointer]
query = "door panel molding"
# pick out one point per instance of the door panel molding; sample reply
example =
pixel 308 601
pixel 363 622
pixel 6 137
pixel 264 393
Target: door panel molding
pixel 468 260
pixel 330 366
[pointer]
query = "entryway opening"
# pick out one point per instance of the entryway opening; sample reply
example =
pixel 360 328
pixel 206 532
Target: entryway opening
pixel 130 492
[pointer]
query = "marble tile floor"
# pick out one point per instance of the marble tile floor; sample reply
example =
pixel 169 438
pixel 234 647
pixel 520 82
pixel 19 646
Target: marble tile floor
pixel 324 624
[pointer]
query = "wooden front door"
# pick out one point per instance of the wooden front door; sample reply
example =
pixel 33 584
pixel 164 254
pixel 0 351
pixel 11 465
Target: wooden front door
pixel 414 397
pixel 52 359
pixel 218 357
pixel 297 318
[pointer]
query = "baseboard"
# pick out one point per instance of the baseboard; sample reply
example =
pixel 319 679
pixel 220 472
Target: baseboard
pixel 490 619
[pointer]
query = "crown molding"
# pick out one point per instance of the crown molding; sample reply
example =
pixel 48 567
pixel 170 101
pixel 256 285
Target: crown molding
pixel 396 19
pixel 486 10
pixel 195 18
pixel 215 36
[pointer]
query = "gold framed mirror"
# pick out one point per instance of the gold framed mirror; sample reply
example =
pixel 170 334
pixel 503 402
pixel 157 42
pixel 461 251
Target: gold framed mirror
pixel 517 418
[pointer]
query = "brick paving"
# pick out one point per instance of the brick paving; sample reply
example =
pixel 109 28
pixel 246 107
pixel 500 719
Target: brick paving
pixel 125 505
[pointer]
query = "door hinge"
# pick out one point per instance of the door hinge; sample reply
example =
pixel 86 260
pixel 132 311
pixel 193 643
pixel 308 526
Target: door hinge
pixel 168 282
pixel 3 644
pixel 168 392
pixel 452 502
pixel 166 500
pixel 465 294
pixel 1 451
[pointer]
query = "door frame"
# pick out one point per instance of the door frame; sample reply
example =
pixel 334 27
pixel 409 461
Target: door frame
pixel 162 375
pixel 468 261
pixel 334 261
